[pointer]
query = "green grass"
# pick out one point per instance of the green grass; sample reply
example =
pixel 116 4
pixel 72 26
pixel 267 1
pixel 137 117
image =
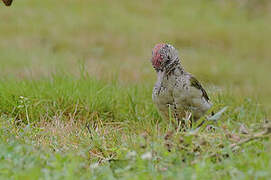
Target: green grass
pixel 76 82
pixel 44 134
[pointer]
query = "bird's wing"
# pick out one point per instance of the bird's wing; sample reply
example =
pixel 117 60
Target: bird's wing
pixel 7 2
pixel 195 83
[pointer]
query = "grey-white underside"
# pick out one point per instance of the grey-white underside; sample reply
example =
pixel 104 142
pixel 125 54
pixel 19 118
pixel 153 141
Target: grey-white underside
pixel 177 93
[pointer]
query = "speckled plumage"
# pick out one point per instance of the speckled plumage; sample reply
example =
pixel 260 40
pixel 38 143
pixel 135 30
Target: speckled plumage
pixel 175 88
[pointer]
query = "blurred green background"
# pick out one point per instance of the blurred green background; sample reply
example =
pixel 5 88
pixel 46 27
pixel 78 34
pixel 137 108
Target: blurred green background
pixel 58 123
pixel 225 43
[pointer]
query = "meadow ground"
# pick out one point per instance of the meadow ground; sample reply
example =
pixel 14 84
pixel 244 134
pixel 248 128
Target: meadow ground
pixel 76 82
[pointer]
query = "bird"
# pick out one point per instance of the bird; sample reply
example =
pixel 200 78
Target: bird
pixel 177 94
pixel 7 2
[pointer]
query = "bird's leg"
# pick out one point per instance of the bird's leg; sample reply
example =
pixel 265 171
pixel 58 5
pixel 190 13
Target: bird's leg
pixel 187 119
pixel 181 120
pixel 181 124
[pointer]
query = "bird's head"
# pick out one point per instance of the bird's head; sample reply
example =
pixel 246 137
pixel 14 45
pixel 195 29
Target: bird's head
pixel 164 57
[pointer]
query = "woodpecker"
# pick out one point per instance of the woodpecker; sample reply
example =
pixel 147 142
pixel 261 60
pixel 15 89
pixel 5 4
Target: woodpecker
pixel 176 92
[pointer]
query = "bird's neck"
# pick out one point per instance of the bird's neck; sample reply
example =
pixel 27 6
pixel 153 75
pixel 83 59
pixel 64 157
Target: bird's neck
pixel 165 76
pixel 175 69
